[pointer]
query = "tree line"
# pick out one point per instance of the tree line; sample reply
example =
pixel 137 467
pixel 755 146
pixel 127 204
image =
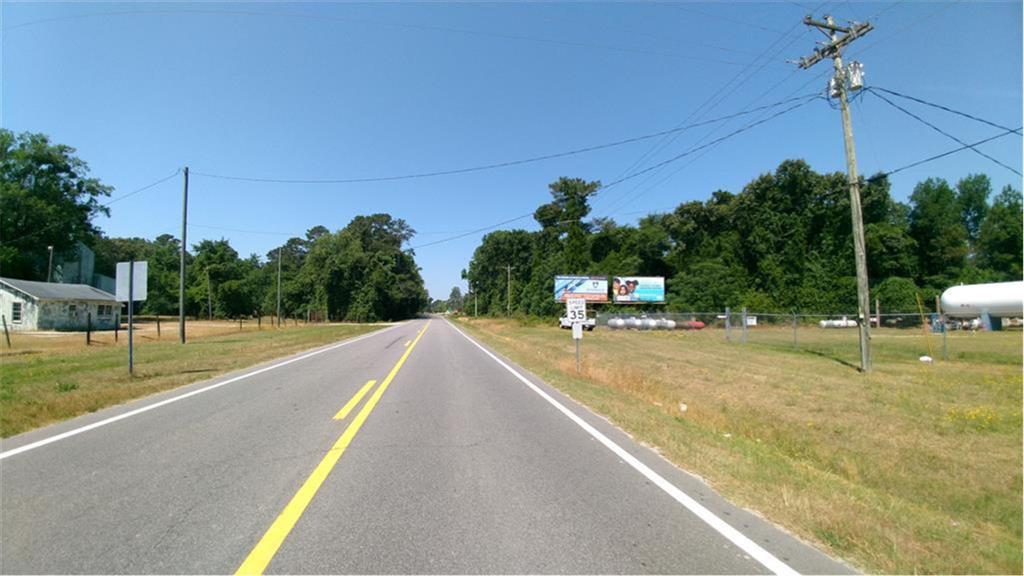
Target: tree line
pixel 358 273
pixel 782 244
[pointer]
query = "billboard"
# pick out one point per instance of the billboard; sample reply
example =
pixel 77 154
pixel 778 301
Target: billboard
pixel 638 289
pixel 590 288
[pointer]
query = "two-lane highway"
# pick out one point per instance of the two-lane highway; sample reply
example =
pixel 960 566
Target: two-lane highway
pixel 410 450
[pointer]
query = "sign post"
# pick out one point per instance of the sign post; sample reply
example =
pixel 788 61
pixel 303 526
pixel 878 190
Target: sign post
pixel 131 287
pixel 576 312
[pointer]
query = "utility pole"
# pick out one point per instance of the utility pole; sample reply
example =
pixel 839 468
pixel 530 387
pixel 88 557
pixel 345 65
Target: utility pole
pixel 510 289
pixel 49 267
pixel 181 268
pixel 843 81
pixel 209 296
pixel 278 286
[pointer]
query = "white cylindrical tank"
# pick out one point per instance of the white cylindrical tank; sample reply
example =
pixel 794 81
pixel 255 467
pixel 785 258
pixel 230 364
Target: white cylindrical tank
pixel 616 323
pixel 1001 299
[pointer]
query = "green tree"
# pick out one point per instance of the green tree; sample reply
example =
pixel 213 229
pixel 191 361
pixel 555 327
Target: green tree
pixel 1000 236
pixel 46 199
pixel 937 228
pixel 972 195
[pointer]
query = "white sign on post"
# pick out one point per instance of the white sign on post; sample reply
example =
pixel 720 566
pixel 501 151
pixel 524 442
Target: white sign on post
pixel 577 331
pixel 140 271
pixel 576 310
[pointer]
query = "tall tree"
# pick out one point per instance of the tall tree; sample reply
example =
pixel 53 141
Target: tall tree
pixel 972 195
pixel 46 199
pixel 1000 238
pixel 936 226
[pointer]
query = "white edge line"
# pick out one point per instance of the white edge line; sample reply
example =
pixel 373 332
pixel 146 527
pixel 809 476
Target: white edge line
pixel 748 546
pixel 112 419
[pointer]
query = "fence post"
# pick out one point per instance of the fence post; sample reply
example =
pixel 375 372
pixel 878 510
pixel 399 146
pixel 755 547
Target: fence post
pixel 88 329
pixel 7 335
pixel 728 325
pixel 117 326
pixel 259 322
pixel 239 322
pixel 794 329
pixel 744 324
pixel 157 326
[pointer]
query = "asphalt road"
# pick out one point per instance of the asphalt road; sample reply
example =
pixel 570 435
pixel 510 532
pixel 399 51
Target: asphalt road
pixel 451 462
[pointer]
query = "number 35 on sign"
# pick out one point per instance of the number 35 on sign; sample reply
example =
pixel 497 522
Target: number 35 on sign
pixel 576 310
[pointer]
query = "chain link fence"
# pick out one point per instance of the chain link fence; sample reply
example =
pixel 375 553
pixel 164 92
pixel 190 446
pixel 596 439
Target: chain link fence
pixel 896 335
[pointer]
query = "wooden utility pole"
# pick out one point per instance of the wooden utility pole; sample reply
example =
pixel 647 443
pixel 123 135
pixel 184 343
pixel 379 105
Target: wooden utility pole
pixel 841 84
pixel 510 289
pixel 278 286
pixel 181 268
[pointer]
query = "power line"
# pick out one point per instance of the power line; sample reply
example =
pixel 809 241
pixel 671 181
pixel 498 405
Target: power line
pixel 713 101
pixel 939 106
pixel 944 133
pixel 471 232
pixel 499 164
pixel 944 154
pixel 105 205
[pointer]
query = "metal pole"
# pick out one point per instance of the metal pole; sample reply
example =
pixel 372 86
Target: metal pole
pixel 7 334
pixel 794 330
pixel 49 267
pixel 744 325
pixel 278 286
pixel 131 297
pixel 728 325
pixel 577 356
pixel 181 267
pixel 88 329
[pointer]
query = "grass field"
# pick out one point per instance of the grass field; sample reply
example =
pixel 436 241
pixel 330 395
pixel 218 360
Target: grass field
pixel 913 468
pixel 48 377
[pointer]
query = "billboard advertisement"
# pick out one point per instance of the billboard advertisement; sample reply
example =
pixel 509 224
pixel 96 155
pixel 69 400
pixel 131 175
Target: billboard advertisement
pixel 590 288
pixel 638 289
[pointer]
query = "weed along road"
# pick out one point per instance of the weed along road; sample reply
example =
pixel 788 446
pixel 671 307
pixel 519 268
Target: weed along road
pixel 409 450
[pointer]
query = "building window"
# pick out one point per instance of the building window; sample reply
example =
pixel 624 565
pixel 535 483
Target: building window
pixel 16 312
pixel 73 309
pixel 105 309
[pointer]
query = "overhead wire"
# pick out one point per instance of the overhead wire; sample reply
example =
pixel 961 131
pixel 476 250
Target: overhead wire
pixel 944 154
pixel 103 205
pixel 939 106
pixel 713 101
pixel 496 165
pixel 944 133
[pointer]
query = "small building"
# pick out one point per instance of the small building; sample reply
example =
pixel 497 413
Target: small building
pixel 27 305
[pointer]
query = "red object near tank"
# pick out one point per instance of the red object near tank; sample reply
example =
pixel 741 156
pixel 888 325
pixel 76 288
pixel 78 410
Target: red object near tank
pixel 692 325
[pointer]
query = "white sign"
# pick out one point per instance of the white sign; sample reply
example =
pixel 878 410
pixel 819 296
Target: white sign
pixel 577 331
pixel 576 310
pixel 140 271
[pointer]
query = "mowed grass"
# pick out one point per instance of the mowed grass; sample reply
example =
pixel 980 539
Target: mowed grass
pixel 52 377
pixel 912 468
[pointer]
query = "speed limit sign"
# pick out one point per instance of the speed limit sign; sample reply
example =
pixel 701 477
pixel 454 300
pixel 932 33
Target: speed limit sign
pixel 576 310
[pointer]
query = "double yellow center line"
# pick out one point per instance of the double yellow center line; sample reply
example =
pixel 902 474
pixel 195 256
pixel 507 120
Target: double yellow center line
pixel 261 555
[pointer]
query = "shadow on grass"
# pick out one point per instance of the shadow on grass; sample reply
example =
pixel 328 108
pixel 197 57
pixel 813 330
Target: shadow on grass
pixel 828 356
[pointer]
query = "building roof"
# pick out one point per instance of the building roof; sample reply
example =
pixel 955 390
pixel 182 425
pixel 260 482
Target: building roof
pixel 56 291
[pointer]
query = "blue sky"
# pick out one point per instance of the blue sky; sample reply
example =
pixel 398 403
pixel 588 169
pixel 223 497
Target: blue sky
pixel 343 90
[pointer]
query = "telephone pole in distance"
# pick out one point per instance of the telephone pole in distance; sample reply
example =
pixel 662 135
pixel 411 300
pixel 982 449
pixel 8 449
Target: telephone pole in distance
pixel 844 80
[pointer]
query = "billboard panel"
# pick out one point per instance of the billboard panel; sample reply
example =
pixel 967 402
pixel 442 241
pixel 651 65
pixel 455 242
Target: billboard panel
pixel 638 289
pixel 590 288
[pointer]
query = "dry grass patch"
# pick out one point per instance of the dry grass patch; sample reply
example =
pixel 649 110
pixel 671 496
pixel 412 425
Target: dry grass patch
pixel 912 468
pixel 46 379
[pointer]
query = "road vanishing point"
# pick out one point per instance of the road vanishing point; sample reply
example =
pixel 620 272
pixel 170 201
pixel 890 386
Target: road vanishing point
pixel 413 449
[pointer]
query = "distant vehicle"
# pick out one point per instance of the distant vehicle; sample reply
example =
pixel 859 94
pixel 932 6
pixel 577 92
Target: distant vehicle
pixel 588 324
